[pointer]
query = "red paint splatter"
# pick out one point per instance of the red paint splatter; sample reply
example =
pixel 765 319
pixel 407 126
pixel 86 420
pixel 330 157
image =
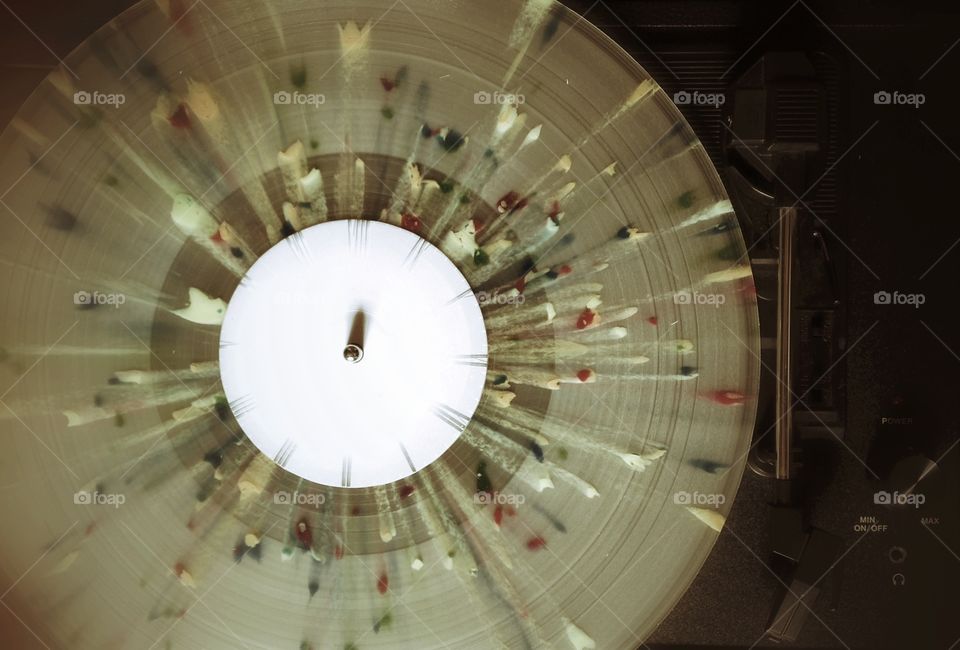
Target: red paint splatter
pixel 726 397
pixel 304 534
pixel 388 84
pixel 406 491
pixel 653 320
pixel 536 543
pixel 564 269
pixel 498 515
pixel 180 119
pixel 355 511
pixel 216 238
pixel 90 529
pixel 383 583
pixel 586 319
pixel 585 375
pixel 478 225
pixel 338 552
pixel 411 222
pixel 520 284
pixel 179 568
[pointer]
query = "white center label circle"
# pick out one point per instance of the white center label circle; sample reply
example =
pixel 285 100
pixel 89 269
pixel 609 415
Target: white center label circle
pixel 353 353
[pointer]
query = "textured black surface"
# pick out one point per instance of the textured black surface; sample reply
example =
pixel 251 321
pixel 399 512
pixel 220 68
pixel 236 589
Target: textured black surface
pixel 895 217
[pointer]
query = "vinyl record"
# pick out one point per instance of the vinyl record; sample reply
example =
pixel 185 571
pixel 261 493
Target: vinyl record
pixel 363 325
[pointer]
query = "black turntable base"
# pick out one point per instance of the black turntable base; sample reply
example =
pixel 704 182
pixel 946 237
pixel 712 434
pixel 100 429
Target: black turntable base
pixel 877 199
pixel 832 128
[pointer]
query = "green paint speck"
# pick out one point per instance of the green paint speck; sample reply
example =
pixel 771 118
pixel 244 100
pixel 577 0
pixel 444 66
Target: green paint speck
pixel 480 257
pixel 383 623
pixel 387 112
pixel 221 407
pixel 685 200
pixel 563 453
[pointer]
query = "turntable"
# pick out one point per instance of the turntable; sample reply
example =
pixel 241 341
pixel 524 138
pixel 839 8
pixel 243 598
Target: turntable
pixel 425 325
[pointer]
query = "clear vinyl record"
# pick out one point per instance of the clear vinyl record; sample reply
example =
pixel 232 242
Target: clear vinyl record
pixel 489 377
